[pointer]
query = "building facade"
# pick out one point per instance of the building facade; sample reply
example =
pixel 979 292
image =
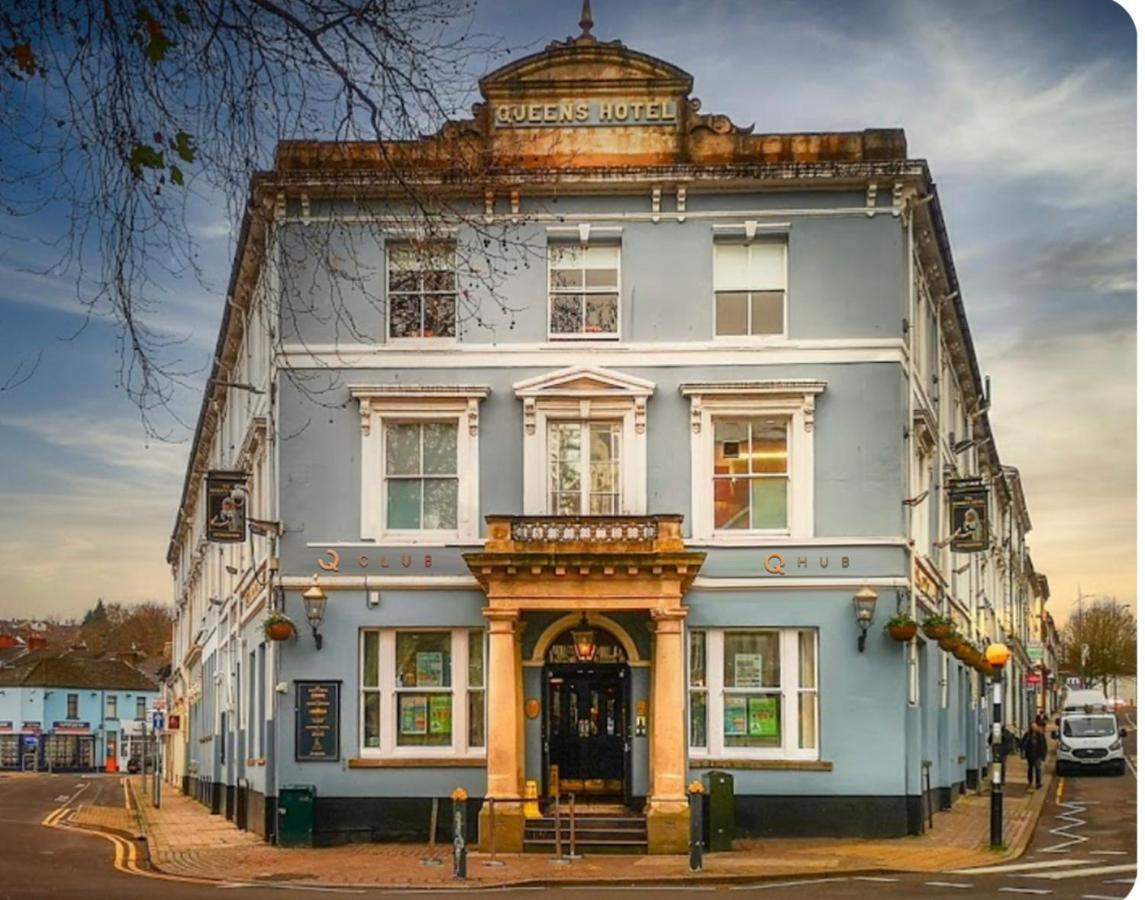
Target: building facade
pixel 71 713
pixel 591 464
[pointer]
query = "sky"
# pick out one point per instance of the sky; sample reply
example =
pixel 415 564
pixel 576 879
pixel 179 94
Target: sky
pixel 1026 112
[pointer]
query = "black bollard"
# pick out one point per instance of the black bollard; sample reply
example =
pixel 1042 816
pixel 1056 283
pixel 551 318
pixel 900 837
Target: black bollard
pixel 696 826
pixel 460 869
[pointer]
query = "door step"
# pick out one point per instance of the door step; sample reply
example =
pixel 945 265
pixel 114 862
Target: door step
pixel 595 833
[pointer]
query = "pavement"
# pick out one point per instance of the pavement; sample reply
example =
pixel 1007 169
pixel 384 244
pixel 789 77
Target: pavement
pixel 184 839
pixel 72 836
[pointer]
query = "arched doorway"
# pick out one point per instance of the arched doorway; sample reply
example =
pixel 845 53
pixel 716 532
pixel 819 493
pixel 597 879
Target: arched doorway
pixel 586 733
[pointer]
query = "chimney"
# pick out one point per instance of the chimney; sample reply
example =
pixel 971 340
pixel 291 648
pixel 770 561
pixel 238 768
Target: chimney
pixel 7 641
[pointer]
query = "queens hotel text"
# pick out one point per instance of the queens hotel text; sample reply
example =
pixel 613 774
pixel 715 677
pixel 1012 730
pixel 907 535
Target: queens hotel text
pixel 597 464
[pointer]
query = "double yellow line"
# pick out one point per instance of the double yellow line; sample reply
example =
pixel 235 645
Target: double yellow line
pixel 126 855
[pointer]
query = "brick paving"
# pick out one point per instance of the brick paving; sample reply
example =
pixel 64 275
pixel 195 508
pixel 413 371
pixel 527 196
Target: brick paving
pixel 185 839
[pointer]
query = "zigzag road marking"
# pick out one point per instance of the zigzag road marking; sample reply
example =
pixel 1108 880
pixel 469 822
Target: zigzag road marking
pixel 1072 819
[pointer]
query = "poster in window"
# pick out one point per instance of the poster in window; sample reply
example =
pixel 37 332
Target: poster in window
pixel 430 669
pixel 441 714
pixel 762 717
pixel 969 508
pixel 226 506
pixel 735 716
pixel 414 714
pixel 748 670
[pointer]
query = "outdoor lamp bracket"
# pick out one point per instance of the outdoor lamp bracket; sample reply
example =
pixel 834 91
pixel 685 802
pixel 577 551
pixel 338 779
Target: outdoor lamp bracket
pixel 314 599
pixel 865 599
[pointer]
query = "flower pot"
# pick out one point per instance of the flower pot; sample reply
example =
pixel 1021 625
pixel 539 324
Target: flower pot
pixel 949 643
pixel 938 632
pixel 902 632
pixel 964 652
pixel 280 631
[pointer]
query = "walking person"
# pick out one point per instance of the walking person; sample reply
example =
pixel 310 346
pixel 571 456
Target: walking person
pixel 1034 749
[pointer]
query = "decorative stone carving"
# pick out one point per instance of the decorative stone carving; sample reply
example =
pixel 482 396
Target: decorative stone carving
pixel 530 415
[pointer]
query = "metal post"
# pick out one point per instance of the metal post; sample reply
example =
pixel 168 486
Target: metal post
pixel 432 859
pixel 460 869
pixel 560 858
pixel 572 854
pixel 696 826
pixel 996 769
pixel 493 861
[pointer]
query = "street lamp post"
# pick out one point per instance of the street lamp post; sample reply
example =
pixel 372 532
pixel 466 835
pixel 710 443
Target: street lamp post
pixel 997 655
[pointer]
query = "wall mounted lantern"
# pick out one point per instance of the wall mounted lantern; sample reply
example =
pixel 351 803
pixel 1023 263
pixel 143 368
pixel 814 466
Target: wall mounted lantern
pixel 315 600
pixel 865 599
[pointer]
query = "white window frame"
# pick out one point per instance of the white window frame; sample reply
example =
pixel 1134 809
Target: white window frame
pixel 403 241
pixel 585 468
pixel 793 400
pixel 388 693
pixel 585 393
pixel 564 336
pixel 749 234
pixel 789 693
pixel 421 404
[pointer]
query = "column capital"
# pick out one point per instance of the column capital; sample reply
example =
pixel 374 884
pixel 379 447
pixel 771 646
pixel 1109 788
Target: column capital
pixel 498 617
pixel 668 620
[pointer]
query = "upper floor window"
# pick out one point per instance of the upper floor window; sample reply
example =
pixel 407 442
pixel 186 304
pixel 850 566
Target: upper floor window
pixel 750 472
pixel 112 711
pixel 584 468
pixel 422 290
pixel 751 288
pixel 584 290
pixel 421 476
pixel 141 707
pixel 73 706
pixel 753 466
pixel 419 462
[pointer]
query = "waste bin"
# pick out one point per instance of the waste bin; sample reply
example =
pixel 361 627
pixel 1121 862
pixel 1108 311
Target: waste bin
pixel 296 815
pixel 719 811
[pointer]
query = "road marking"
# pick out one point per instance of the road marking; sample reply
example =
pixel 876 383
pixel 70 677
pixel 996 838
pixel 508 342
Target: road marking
pixel 872 878
pixel 1120 880
pixel 953 884
pixel 1132 768
pixel 1013 890
pixel 1086 873
pixel 1073 819
pixel 1109 852
pixel 766 885
pixel 1100 897
pixel 1021 867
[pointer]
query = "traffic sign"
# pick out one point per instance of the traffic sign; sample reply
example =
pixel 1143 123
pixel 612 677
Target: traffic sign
pixel 157 717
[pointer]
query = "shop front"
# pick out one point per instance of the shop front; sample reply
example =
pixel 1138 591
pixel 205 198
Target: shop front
pixel 578 577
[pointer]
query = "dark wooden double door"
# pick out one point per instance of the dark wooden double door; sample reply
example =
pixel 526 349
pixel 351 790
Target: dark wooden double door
pixel 586 730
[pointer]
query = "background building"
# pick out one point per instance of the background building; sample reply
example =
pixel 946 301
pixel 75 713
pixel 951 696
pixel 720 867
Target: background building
pixel 593 467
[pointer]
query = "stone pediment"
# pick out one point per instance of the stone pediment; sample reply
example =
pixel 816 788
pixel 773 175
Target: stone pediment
pixel 584 381
pixel 586 67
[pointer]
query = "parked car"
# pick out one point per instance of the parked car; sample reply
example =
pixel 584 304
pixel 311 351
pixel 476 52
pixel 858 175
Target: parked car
pixel 1084 700
pixel 1090 741
pixel 134 766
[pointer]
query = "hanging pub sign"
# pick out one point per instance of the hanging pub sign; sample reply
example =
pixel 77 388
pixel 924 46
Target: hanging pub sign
pixel 226 506
pixel 317 731
pixel 969 508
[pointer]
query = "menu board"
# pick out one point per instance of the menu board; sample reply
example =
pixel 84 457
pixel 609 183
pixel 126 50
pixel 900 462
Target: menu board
pixel 317 725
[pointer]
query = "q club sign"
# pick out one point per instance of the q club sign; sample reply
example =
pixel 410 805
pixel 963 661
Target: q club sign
pixel 226 507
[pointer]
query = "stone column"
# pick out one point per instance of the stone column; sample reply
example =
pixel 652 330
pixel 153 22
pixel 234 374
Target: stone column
pixel 505 747
pixel 668 801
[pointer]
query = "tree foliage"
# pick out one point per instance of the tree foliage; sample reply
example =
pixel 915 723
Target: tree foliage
pixel 115 628
pixel 1109 630
pixel 119 116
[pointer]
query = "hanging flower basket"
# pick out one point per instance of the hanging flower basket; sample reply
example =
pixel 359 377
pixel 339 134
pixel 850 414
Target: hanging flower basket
pixel 951 642
pixel 937 627
pixel 278 627
pixel 964 652
pixel 901 627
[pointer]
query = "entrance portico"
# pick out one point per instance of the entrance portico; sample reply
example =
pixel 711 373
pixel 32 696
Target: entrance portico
pixel 586 565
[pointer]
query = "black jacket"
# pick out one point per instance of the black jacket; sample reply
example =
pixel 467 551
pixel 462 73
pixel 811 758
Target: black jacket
pixel 1033 746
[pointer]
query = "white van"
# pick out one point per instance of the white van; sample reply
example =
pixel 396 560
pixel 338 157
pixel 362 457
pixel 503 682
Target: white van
pixel 1090 740
pixel 1084 700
